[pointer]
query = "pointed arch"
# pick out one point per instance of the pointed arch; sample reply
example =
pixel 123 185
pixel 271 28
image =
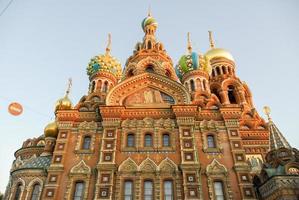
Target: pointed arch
pixel 34 181
pixel 148 165
pixel 128 165
pixel 81 168
pixel 216 168
pixel 167 165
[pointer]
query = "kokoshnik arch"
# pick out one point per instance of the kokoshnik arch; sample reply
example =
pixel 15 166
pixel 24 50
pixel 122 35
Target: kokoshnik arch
pixel 155 131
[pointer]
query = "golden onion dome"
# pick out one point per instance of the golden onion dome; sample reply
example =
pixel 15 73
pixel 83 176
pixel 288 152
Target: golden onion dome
pixel 63 104
pixel 219 53
pixel 51 130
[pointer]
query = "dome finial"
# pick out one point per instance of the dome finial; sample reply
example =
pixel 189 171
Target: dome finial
pixel 212 44
pixel 189 47
pixel 149 12
pixel 267 112
pixel 69 86
pixel 108 48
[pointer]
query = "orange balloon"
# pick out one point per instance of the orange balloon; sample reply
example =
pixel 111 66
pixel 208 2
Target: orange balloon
pixel 15 109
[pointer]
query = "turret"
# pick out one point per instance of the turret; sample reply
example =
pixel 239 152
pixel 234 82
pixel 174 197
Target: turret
pixel 193 71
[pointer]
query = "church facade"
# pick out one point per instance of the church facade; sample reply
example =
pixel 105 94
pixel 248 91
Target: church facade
pixel 150 131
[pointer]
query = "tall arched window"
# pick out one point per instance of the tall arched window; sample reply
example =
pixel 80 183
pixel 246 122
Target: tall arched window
pixel 99 85
pixel 231 95
pixel 35 192
pixel 148 190
pixel 218 71
pixel 168 190
pixel 86 142
pixel 105 87
pixel 130 140
pixel 186 86
pixel 148 141
pixel 166 140
pixel 218 190
pixel 79 190
pixel 204 84
pixel 18 192
pixel 224 70
pixel 128 190
pixel 211 141
pixel 192 85
pixel 93 84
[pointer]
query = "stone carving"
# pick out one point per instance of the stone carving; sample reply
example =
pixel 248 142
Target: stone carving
pixel 81 168
pixel 148 165
pixel 128 166
pixel 216 168
pixel 88 125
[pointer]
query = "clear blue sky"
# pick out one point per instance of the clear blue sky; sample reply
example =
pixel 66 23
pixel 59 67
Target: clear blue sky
pixel 43 43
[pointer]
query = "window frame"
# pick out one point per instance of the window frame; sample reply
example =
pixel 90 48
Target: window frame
pixel 152 195
pixel 130 135
pixel 150 136
pixel 131 196
pixel 163 140
pixel 84 140
pixel 172 190
pixel 222 186
pixel 38 192
pixel 74 197
pixel 214 144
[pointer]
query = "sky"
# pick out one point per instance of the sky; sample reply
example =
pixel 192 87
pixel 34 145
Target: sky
pixel 43 43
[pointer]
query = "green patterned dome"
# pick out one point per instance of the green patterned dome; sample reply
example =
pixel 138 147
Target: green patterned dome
pixel 187 63
pixel 149 20
pixel 105 63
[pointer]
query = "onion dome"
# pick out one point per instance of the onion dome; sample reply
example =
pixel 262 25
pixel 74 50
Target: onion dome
pixel 64 103
pixel 51 130
pixel 191 61
pixel 149 20
pixel 105 63
pixel 217 52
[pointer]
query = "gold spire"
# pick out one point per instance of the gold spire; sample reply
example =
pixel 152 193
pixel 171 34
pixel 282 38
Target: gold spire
pixel 267 112
pixel 108 48
pixel 212 45
pixel 189 46
pixel 149 12
pixel 69 85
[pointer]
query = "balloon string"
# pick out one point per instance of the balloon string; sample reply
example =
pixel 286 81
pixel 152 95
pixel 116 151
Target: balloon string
pixel 28 108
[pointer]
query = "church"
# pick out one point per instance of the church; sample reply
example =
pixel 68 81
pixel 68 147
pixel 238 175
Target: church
pixel 155 130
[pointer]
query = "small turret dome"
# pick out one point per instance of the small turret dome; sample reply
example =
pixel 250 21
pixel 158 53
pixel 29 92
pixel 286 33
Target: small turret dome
pixel 219 53
pixel 149 20
pixel 63 104
pixel 51 130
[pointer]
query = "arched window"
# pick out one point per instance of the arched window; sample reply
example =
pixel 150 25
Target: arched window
pixel 99 85
pixel 231 95
pixel 198 84
pixel 192 85
pixel 224 70
pixel 148 190
pixel 149 69
pixel 86 142
pixel 211 141
pixel 149 44
pixel 35 192
pixel 166 140
pixel 93 86
pixel 105 87
pixel 18 192
pixel 130 140
pixel 79 190
pixel 128 190
pixel 218 190
pixel 148 141
pixel 218 71
pixel 204 84
pixel 168 190
pixel 215 91
pixel 213 73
